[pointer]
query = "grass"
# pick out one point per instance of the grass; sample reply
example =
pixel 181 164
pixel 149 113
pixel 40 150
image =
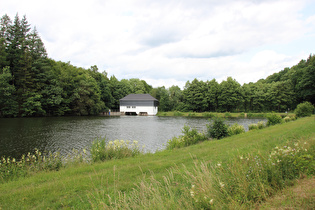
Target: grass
pixel 96 185
pixel 299 196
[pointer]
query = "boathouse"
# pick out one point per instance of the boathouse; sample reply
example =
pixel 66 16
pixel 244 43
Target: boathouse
pixel 139 104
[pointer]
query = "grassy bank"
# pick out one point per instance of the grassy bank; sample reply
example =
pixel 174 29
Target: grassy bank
pixel 219 114
pixel 168 172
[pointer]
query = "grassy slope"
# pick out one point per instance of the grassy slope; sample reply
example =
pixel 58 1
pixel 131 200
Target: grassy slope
pixel 70 187
pixel 299 196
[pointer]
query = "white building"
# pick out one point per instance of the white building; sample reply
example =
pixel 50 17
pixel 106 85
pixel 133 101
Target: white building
pixel 140 104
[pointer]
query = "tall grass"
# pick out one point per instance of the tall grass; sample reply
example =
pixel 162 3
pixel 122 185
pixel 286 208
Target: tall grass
pixel 235 129
pixel 12 169
pixel 190 136
pixel 102 149
pixel 242 182
pixel 259 125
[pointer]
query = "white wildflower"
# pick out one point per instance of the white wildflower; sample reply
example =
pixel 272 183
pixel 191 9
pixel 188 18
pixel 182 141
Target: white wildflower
pixel 192 194
pixel 221 184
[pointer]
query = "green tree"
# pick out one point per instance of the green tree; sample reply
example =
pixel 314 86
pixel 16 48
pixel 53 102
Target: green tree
pixel 195 96
pixel 281 96
pixel 305 86
pixel 230 97
pixel 176 97
pixel 139 86
pixel 8 103
pixel 163 96
pixel 32 106
pixel 213 95
pixel 104 85
pixel 5 23
pixel 119 89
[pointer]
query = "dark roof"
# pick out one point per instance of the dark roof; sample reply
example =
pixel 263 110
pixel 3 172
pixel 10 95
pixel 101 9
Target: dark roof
pixel 138 97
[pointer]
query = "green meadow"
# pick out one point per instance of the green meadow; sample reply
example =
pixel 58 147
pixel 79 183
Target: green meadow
pixel 240 171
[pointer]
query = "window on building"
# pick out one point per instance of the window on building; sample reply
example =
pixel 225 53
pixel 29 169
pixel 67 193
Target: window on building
pixel 133 107
pixel 128 107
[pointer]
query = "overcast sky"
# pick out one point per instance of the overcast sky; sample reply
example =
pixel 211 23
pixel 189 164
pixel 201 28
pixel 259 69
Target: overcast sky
pixel 168 42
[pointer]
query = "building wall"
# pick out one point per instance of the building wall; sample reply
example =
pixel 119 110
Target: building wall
pixel 136 103
pixel 151 110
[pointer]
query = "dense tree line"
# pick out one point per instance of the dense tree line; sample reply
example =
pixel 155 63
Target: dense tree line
pixel 279 92
pixel 31 84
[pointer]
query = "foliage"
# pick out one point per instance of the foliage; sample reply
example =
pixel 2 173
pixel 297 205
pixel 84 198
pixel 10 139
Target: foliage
pixel 235 129
pixel 189 137
pixel 304 109
pixel 208 115
pixel 177 113
pixel 230 95
pixel 274 119
pixel 8 103
pixel 241 183
pixel 253 127
pixel 227 114
pixel 31 84
pixel 102 150
pixel 217 129
pixel 32 162
pixel 249 179
pixel 287 119
pixel 259 125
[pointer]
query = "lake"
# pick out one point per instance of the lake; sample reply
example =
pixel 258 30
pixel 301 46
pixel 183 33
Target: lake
pixel 21 135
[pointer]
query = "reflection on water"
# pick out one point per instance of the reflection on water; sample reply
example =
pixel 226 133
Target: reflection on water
pixel 22 135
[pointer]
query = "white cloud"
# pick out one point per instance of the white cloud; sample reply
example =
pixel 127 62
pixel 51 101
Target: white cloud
pixel 169 42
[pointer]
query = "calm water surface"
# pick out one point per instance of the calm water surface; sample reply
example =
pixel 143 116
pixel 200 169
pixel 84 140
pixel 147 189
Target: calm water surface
pixel 21 135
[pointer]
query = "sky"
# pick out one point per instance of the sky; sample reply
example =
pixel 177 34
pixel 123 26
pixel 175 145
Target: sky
pixel 168 42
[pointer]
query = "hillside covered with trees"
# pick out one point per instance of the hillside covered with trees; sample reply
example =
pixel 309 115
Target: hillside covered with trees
pixel 31 84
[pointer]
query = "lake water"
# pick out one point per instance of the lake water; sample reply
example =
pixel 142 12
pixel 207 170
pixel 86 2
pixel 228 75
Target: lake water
pixel 21 135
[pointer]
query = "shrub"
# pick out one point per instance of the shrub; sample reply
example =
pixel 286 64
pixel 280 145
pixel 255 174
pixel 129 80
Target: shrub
pixel 227 114
pixel 236 129
pixel 191 114
pixel 304 109
pixel 274 119
pixel 253 127
pixel 189 137
pixel 177 114
pixel 217 129
pixel 256 115
pixel 101 150
pixel 261 124
pixel 287 119
pixel 11 169
pixel 242 115
pixel 208 114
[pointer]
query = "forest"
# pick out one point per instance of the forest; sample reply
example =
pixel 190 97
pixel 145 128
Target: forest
pixel 33 85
